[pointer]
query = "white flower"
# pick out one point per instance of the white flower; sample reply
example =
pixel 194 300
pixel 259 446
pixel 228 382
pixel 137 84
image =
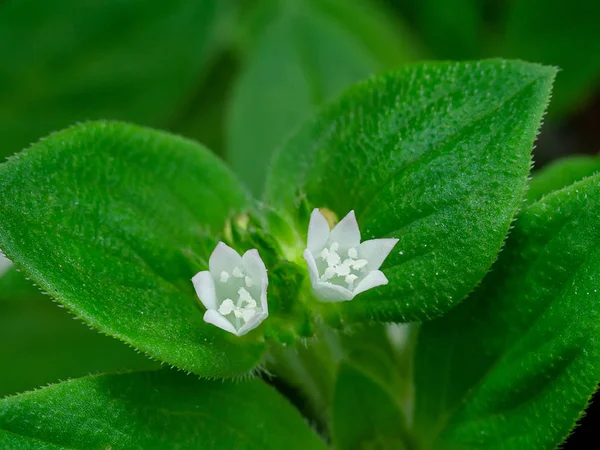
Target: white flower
pixel 233 290
pixel 340 267
pixel 5 264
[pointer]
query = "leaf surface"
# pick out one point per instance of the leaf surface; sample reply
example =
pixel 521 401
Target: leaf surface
pixel 560 174
pixel 155 410
pixel 515 364
pixel 113 221
pixel 436 155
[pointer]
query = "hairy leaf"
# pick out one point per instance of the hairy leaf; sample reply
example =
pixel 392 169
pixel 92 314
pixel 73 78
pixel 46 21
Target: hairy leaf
pixel 68 61
pixel 365 415
pixel 113 220
pixel 560 174
pixel 515 364
pixel 155 410
pixel 305 55
pixel 436 155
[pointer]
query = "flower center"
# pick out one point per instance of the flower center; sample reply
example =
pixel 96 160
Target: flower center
pixel 349 268
pixel 245 307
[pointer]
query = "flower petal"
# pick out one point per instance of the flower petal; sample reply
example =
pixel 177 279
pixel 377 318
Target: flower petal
pixel 375 251
pixel 205 289
pixel 346 232
pixel 264 305
pixel 329 292
pixel 214 318
pixel 223 259
pixel 318 231
pixel 254 265
pixel 252 323
pixel 313 271
pixel 374 279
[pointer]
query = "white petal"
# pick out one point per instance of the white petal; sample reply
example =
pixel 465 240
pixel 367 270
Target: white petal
pixel 313 271
pixel 214 318
pixel 263 296
pixel 346 232
pixel 374 279
pixel 205 289
pixel 375 251
pixel 223 258
pixel 318 232
pixel 258 272
pixel 255 267
pixel 252 323
pixel 328 292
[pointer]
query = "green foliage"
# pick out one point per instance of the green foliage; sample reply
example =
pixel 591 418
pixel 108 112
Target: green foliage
pixel 365 415
pixel 557 32
pixel 42 344
pixel 451 29
pixel 560 174
pixel 515 364
pixel 154 410
pixel 436 155
pixel 68 61
pixel 305 54
pixel 113 221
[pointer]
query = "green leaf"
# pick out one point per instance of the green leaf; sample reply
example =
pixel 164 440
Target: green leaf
pixel 71 61
pixel 515 364
pixel 113 220
pixel 157 410
pixel 560 174
pixel 42 344
pixel 436 155
pixel 365 415
pixel 305 55
pixel 551 37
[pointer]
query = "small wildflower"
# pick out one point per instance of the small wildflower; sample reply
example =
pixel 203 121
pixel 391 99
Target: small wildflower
pixel 233 290
pixel 340 267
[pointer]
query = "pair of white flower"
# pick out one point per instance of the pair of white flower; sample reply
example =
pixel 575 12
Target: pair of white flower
pixel 234 289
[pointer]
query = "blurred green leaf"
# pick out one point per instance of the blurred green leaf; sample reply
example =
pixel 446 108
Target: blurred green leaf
pixel 306 53
pixel 14 285
pixel 560 174
pixel 113 220
pixel 42 344
pixel 157 410
pixel 436 155
pixel 365 416
pixel 564 34
pixel 451 29
pixel 516 363
pixel 68 61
